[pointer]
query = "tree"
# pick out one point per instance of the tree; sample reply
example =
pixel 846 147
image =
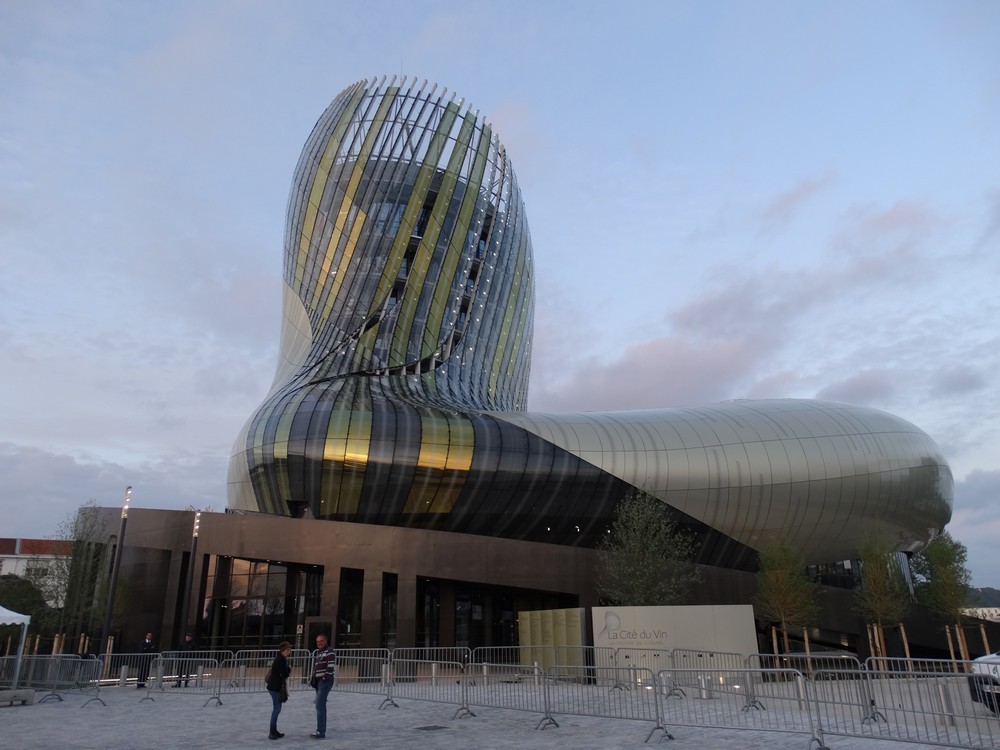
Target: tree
pixel 22 596
pixel 647 559
pixel 77 584
pixel 943 581
pixel 785 593
pixel 884 598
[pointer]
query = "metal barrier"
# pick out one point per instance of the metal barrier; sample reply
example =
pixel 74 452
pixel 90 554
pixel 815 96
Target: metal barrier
pixel 53 675
pixel 426 674
pixel 643 658
pixel 904 664
pixel 125 668
pixel 60 674
pixel 689 666
pixel 933 708
pixel 8 665
pixel 936 706
pixel 247 671
pixel 361 670
pixel 508 662
pixel 766 700
pixel 806 664
pixel 594 691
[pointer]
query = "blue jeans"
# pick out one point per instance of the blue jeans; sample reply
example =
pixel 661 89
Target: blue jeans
pixel 275 708
pixel 322 693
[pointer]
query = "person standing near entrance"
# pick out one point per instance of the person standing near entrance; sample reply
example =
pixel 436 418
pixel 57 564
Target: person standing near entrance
pixel 184 663
pixel 146 652
pixel 324 667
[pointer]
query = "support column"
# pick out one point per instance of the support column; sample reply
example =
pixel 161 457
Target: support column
pixel 446 634
pixel 371 609
pixel 406 610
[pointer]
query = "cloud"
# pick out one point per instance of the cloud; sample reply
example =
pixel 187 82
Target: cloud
pixel 992 229
pixel 47 487
pixel 976 524
pixel 956 380
pixel 663 372
pixel 782 208
pixel 864 388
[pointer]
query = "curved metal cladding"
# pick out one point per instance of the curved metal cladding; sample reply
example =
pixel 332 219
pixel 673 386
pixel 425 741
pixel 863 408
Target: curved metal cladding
pixel 819 474
pixel 402 381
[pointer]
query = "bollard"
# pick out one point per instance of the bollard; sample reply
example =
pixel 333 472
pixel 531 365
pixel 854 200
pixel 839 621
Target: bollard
pixel 486 675
pixel 704 687
pixel 800 685
pixel 159 675
pixel 536 672
pixel 385 673
pixel 123 676
pixel 200 675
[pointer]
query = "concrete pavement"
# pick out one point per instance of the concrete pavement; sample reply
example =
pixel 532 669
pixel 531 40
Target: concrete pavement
pixel 180 719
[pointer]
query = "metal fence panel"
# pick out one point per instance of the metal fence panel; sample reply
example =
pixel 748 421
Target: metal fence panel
pixel 806 664
pixel 758 700
pixel 903 664
pixel 362 670
pixel 934 708
pixel 506 685
pixel 597 691
pixel 438 681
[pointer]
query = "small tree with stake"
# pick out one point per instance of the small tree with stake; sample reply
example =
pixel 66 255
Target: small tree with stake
pixel 785 593
pixel 883 599
pixel 943 583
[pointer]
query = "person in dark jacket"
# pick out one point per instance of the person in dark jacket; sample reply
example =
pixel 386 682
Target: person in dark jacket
pixel 186 649
pixel 147 651
pixel 275 682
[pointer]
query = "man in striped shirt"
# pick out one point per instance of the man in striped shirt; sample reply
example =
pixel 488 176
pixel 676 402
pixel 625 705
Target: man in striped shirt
pixel 324 665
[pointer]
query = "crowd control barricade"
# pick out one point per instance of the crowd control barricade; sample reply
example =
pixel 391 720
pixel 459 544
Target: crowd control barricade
pixel 628 659
pixel 125 668
pixel 498 681
pixel 516 659
pixel 932 708
pixel 431 674
pixel 246 671
pixel 806 664
pixel 59 673
pixel 767 700
pixel 904 664
pixel 191 669
pixel 582 690
pixel 693 665
pixel 8 665
pixel 362 670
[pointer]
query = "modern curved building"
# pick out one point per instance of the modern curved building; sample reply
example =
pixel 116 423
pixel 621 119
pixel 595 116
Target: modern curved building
pixel 400 394
pixel 393 490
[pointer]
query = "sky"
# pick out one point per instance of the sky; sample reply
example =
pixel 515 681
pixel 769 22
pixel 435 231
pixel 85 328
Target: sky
pixel 726 200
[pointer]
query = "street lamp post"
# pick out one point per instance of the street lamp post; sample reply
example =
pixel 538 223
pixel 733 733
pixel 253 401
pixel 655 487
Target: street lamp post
pixel 190 579
pixel 109 608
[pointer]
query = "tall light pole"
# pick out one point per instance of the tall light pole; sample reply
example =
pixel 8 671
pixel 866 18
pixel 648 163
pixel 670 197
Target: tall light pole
pixel 109 608
pixel 190 578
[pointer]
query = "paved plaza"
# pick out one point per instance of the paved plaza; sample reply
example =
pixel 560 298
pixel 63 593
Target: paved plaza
pixel 180 719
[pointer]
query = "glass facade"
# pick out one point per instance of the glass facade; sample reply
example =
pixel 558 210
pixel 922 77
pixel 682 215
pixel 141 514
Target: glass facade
pixel 401 388
pixel 255 603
